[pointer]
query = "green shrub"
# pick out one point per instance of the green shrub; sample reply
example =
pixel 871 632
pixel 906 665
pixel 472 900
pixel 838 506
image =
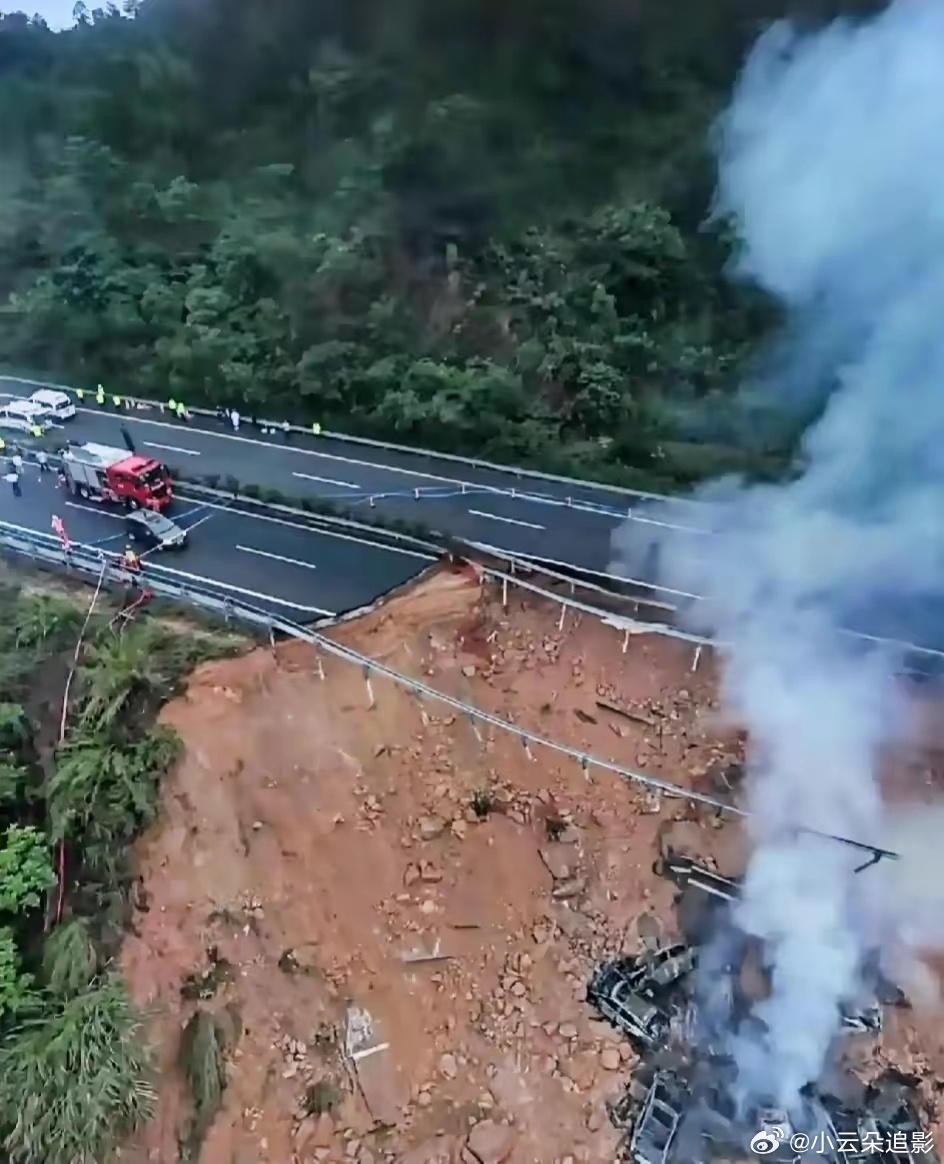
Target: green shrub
pixel 76 1082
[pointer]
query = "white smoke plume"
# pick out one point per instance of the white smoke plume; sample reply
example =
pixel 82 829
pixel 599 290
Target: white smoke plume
pixel 831 163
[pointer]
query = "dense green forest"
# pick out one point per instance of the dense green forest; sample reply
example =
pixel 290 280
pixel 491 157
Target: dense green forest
pixel 460 223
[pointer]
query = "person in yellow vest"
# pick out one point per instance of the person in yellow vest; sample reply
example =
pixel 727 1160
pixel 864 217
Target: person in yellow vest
pixel 100 395
pixel 36 430
pixel 116 400
pixel 316 429
pixel 172 405
pixel 80 394
pixel 181 411
pixel 3 444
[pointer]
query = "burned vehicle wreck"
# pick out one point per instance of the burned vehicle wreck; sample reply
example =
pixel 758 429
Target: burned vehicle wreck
pixel 678 1108
pixel 685 1120
pixel 640 996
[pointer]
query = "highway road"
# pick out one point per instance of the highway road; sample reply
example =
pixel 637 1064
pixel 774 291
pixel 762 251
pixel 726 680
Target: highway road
pixel 317 572
pixel 559 522
pixel 267 561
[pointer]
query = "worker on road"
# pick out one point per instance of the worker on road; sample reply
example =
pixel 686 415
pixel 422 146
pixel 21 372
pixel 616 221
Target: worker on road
pixel 100 396
pixel 116 400
pixel 286 430
pixel 36 430
pixel 13 478
pixel 17 461
pixel 3 444
pixel 80 394
pixel 131 561
pixel 316 429
pixel 182 413
pixel 234 419
pixel 43 461
pixel 172 405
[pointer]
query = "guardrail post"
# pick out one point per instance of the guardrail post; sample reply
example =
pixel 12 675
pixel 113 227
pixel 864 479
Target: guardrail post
pixel 370 688
pixel 505 594
pixel 475 728
pixel 697 657
pixel 626 641
pixel 560 621
pixel 320 666
pixel 527 751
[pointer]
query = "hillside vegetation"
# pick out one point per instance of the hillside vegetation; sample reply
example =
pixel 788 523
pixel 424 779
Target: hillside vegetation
pixel 77 784
pixel 458 223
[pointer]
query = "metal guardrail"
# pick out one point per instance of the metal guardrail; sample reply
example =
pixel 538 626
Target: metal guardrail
pixel 96 563
pixel 390 446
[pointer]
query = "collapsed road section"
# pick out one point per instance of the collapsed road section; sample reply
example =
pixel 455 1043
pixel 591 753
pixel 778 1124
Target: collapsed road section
pixel 683 1005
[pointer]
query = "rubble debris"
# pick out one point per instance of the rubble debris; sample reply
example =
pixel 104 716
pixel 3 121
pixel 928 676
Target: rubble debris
pixel 686 1114
pixel 634 994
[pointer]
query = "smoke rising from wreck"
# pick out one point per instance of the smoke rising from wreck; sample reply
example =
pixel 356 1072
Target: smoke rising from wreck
pixel 831 162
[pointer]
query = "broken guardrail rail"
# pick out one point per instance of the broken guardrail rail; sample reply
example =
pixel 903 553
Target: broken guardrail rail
pixel 46 548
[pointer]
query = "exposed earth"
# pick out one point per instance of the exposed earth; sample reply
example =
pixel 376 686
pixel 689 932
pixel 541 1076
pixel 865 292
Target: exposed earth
pixel 393 913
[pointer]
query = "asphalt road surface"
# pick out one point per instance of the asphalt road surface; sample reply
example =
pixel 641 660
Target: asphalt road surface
pixel 265 560
pixel 556 522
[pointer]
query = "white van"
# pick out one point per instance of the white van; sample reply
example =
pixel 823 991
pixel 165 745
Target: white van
pixel 55 405
pixel 22 416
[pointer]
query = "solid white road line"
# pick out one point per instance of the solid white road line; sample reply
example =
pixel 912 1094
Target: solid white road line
pixel 171 449
pixel 194 577
pixel 242 590
pixel 327 533
pixel 93 509
pixel 277 557
pixel 326 481
pixel 508 520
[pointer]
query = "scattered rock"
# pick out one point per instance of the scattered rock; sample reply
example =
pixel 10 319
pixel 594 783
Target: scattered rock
pixel 565 890
pixel 595 1117
pixel 567 1031
pixel 448 1067
pixel 468 670
pixel 559 860
pixel 439 1150
pixel 429 873
pixel 610 1059
pixel 491 1143
pixel 431 827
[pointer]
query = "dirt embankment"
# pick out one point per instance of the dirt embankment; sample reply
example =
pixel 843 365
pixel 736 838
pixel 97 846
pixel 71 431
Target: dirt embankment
pixel 402 907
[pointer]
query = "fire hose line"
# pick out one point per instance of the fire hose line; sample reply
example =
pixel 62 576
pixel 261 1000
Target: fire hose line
pixel 62 723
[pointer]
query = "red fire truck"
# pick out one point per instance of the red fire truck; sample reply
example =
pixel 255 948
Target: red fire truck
pixel 101 473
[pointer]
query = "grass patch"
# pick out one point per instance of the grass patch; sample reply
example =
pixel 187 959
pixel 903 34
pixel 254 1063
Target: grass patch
pixel 75 1073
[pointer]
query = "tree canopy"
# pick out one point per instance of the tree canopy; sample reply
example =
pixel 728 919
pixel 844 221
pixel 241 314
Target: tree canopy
pixel 458 223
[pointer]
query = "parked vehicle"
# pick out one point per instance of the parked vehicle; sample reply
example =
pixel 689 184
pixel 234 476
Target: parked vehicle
pixel 56 406
pixel 22 416
pixel 154 531
pixel 102 473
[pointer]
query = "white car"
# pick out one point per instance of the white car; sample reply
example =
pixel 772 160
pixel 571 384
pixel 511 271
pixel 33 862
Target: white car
pixel 22 416
pixel 55 405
